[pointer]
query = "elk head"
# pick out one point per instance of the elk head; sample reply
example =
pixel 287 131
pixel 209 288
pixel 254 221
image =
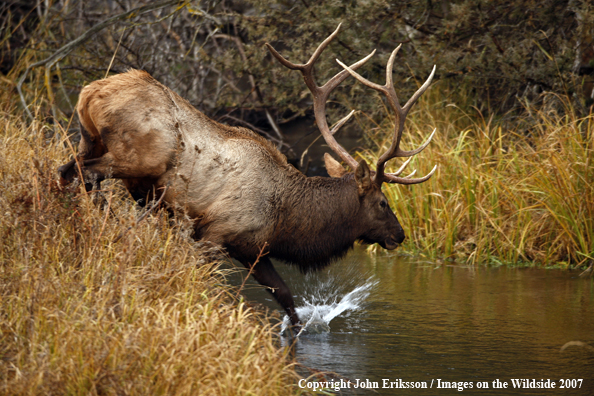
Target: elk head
pixel 381 225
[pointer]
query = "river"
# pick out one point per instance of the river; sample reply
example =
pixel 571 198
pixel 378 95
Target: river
pixel 401 319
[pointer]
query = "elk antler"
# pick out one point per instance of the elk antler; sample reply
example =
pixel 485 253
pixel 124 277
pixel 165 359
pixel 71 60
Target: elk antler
pixel 401 113
pixel 320 94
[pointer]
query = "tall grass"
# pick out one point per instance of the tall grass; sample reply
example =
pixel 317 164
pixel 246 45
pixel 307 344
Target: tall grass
pixel 81 314
pixel 505 192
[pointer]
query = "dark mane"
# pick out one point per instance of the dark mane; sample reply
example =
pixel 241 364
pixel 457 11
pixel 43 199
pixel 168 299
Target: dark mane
pixel 323 235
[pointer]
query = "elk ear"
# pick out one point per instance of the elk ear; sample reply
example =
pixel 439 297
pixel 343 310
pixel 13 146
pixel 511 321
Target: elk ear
pixel 333 167
pixel 363 177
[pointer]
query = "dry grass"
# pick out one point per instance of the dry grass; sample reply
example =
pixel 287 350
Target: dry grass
pixel 80 314
pixel 149 315
pixel 523 194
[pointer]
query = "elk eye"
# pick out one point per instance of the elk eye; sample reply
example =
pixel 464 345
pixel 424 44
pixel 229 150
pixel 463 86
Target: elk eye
pixel 383 204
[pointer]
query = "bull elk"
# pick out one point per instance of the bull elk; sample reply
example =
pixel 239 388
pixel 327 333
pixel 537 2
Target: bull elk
pixel 236 186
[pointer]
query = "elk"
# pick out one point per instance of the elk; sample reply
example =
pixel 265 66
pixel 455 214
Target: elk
pixel 236 186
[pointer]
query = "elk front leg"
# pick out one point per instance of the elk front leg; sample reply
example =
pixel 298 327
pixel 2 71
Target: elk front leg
pixel 266 275
pixel 108 166
pixel 70 170
pixel 90 147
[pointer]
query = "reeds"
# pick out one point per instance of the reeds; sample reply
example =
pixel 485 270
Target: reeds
pixel 513 192
pixel 81 314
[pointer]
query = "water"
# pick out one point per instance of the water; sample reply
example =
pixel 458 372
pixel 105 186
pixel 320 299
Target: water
pixel 318 312
pixel 395 318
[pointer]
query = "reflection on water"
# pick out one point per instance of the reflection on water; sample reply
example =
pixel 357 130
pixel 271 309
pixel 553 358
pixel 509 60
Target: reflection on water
pixel 422 321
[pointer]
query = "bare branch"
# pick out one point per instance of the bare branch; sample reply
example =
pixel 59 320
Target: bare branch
pixel 50 61
pixel 256 91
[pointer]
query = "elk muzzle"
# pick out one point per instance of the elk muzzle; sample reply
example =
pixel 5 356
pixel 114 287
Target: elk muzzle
pixel 393 241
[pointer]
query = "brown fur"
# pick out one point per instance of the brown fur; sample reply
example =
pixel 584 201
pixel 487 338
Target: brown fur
pixel 237 186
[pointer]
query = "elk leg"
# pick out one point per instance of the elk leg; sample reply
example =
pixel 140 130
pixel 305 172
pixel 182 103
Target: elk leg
pixel 69 171
pixel 110 166
pixel 266 275
pixel 90 147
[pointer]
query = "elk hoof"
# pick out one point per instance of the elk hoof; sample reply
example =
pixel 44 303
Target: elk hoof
pixel 293 330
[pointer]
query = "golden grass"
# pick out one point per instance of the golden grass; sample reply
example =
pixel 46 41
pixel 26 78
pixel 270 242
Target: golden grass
pixel 521 194
pixel 148 314
pixel 82 315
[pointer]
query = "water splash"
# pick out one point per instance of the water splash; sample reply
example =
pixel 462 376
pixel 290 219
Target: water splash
pixel 326 304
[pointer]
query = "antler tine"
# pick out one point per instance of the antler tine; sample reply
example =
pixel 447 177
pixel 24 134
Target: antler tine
pixel 398 152
pixel 320 94
pixel 390 178
pixel 305 68
pixel 420 91
pixel 401 113
pixel 389 91
pixel 402 167
pixel 343 121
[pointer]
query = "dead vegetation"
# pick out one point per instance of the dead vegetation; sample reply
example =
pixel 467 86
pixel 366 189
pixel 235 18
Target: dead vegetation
pixel 144 315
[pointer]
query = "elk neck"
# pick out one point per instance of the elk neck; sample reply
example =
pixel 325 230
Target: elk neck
pixel 317 222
